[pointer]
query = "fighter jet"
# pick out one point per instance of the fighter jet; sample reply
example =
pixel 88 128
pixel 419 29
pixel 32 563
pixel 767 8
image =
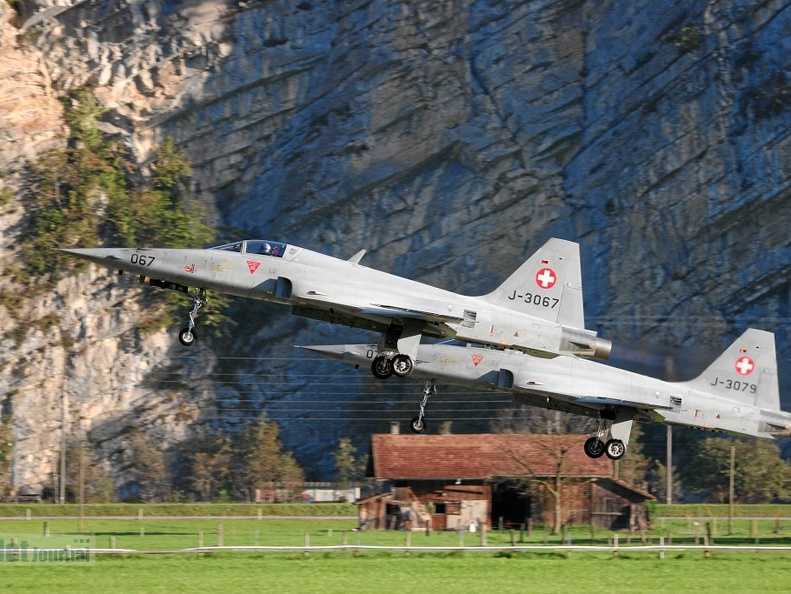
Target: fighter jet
pixel 738 393
pixel 537 310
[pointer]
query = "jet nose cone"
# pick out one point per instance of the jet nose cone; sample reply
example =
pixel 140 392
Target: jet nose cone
pixel 330 350
pixel 104 256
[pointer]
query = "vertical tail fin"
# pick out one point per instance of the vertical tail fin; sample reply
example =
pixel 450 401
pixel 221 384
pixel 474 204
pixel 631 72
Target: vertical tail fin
pixel 548 285
pixel 746 372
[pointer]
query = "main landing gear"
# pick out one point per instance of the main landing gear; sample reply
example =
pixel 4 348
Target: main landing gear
pixel 187 336
pixel 596 447
pixel 385 365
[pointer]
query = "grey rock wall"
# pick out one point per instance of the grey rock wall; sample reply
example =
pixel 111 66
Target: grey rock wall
pixel 450 138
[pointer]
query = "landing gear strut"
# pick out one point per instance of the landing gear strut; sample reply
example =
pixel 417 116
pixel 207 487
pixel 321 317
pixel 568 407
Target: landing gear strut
pixel 596 446
pixel 385 365
pixel 187 336
pixel 418 424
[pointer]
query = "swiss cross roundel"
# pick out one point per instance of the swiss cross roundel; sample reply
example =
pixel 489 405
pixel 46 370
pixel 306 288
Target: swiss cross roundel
pixel 546 278
pixel 745 366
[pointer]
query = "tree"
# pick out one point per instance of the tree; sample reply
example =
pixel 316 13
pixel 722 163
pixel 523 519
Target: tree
pixel 657 481
pixel 148 464
pixel 209 464
pixel 554 450
pixel 6 453
pixel 760 475
pixel 259 462
pixel 96 482
pixel 349 469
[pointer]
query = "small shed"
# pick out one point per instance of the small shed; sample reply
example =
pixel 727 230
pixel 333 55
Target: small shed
pixel 453 481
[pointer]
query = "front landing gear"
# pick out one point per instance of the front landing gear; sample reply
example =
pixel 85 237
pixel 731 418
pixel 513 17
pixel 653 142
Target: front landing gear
pixel 187 336
pixel 418 424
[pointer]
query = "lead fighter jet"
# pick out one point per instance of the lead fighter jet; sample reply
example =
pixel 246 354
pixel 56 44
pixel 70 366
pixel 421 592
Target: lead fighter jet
pixel 537 310
pixel 738 393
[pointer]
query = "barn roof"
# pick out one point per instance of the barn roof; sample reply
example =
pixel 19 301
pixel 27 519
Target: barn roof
pixel 482 456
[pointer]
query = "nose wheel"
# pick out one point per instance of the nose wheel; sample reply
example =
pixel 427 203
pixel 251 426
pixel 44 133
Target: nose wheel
pixel 187 336
pixel 418 424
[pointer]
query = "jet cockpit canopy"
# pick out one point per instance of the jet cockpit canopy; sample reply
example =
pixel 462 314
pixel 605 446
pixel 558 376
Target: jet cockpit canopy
pixel 262 247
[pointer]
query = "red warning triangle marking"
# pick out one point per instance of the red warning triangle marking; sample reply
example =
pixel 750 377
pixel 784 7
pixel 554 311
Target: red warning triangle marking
pixel 253 266
pixel 476 359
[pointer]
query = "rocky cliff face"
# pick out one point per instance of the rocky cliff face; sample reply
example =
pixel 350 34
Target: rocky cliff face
pixel 449 137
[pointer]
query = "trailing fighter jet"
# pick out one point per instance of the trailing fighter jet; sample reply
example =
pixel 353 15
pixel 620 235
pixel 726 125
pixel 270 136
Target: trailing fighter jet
pixel 738 393
pixel 537 310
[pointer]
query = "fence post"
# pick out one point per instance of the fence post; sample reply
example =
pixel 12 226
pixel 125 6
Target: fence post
pixel 615 545
pixel 219 534
pixel 662 547
pixel 46 529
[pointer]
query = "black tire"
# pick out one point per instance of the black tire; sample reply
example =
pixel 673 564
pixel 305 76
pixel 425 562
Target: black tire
pixel 381 367
pixel 594 447
pixel 417 425
pixel 187 337
pixel 615 449
pixel 402 365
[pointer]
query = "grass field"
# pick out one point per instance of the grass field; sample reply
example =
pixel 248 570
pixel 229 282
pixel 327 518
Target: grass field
pixel 397 571
pixel 394 572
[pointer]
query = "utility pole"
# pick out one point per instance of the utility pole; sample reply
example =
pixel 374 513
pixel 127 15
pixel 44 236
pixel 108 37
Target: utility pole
pixel 82 487
pixel 669 467
pixel 730 490
pixel 62 494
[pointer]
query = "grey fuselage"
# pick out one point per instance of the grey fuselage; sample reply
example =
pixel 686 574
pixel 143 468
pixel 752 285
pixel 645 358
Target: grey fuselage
pixel 580 386
pixel 343 291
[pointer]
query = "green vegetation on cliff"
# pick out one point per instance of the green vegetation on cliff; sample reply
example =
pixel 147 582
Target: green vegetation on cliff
pixel 91 193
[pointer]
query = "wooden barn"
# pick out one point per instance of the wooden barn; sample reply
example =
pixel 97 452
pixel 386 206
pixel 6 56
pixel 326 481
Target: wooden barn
pixel 456 481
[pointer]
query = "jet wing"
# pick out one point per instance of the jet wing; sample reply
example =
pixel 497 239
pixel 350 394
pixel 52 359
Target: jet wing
pixel 403 312
pixel 619 402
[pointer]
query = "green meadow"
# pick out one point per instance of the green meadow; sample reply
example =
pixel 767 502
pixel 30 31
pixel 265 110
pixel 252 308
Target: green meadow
pixel 422 572
pixel 371 570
